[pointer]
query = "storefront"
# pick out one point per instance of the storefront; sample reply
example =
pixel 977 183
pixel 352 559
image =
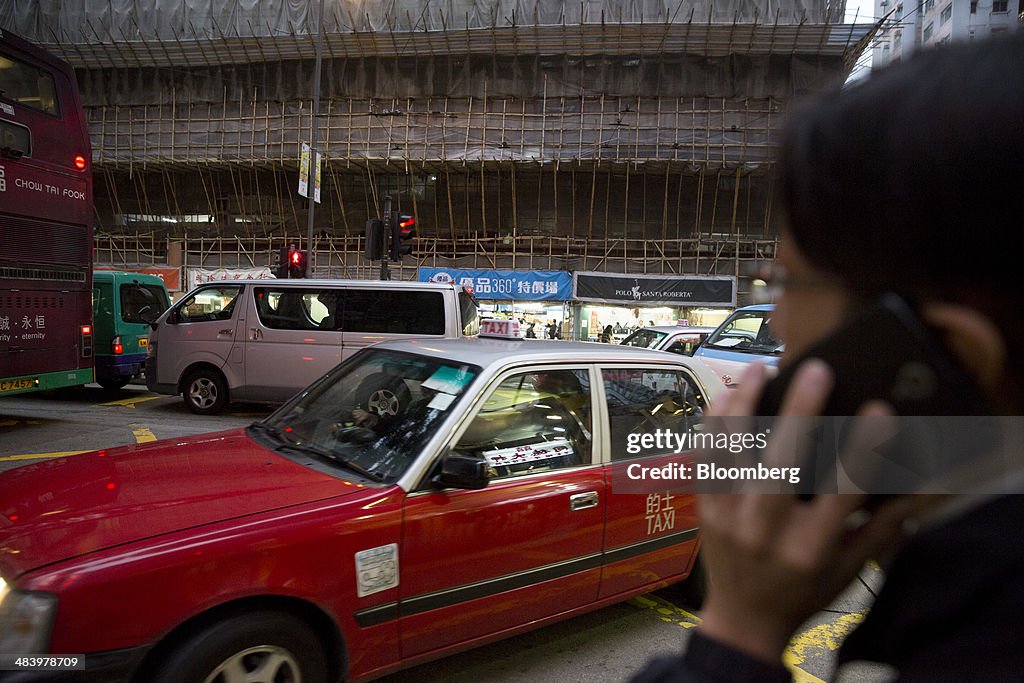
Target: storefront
pixel 533 297
pixel 628 302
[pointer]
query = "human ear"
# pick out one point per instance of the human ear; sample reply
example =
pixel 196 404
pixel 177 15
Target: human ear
pixel 973 338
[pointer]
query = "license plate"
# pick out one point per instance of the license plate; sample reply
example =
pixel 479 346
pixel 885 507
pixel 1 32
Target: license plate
pixel 144 342
pixel 17 384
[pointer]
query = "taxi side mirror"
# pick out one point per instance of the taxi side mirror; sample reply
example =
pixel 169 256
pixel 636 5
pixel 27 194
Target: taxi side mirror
pixel 462 472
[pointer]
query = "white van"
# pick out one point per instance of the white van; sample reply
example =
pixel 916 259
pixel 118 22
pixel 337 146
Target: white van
pixel 264 340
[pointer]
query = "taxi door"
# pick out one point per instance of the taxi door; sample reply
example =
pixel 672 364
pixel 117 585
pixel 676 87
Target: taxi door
pixel 528 545
pixel 651 533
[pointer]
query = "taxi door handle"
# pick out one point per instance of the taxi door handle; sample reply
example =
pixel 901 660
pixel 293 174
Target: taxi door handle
pixel 582 501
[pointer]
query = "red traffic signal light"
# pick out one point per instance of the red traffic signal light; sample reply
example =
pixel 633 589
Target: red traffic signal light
pixel 403 227
pixel 291 262
pixel 297 263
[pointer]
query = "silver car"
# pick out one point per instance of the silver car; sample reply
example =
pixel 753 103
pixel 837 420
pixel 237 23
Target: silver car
pixel 680 339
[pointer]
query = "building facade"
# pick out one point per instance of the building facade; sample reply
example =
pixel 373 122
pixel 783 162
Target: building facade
pixel 910 25
pixel 626 136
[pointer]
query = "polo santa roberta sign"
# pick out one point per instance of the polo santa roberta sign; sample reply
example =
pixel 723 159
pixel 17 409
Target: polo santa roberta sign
pixel 659 290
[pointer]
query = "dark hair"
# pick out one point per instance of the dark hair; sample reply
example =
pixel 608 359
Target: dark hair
pixel 913 180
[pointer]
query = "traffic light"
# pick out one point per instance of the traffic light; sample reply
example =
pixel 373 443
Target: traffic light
pixel 297 263
pixel 403 227
pixel 374 239
pixel 281 268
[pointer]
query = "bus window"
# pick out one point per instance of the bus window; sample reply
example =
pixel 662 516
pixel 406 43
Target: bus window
pixel 28 85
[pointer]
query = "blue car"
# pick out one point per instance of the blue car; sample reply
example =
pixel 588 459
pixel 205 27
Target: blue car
pixel 745 336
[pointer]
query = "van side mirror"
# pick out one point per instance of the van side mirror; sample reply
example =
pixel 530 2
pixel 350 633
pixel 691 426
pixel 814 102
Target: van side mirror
pixel 462 472
pixel 148 319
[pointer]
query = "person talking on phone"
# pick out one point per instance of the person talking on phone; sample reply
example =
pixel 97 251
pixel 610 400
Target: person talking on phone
pixel 906 183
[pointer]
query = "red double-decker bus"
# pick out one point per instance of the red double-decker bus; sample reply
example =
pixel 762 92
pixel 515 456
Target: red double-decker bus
pixel 46 213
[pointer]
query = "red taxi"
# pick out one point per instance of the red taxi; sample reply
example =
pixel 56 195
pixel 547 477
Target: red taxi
pixel 337 541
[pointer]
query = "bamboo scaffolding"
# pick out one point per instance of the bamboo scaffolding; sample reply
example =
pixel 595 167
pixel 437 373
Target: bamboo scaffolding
pixel 658 166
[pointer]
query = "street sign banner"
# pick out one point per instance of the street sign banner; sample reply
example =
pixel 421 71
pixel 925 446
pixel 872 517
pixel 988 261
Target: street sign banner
pixel 304 171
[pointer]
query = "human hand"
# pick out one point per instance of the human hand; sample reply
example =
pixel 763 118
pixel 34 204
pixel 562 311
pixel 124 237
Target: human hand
pixel 774 560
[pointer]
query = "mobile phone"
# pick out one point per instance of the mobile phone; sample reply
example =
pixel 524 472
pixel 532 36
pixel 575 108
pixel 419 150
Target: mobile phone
pixel 887 352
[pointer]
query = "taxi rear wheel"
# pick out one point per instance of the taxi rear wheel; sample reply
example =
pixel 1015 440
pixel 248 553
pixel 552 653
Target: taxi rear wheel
pixel 260 647
pixel 205 392
pixel 692 590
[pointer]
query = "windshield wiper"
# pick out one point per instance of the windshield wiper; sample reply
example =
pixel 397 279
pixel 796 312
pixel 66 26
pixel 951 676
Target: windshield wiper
pixel 334 457
pixel 269 430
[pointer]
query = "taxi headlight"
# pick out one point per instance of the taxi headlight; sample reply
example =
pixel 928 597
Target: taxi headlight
pixel 26 620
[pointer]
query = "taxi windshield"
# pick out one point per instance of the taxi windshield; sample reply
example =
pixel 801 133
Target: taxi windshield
pixel 747 331
pixel 372 414
pixel 647 339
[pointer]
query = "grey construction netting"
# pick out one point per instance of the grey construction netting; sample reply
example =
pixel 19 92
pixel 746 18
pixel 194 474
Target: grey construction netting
pixel 82 20
pixel 619 116
pixel 228 81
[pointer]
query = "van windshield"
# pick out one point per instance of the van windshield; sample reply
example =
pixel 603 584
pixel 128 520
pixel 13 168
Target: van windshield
pixel 470 314
pixel 373 413
pixel 746 331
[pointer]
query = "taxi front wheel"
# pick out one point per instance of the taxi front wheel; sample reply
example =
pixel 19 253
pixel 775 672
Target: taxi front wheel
pixel 260 647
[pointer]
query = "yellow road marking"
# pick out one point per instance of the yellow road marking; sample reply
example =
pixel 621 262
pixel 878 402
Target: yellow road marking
pixel 11 423
pixel 130 402
pixel 143 434
pixel 39 456
pixel 827 636
pixel 666 610
pixel 824 636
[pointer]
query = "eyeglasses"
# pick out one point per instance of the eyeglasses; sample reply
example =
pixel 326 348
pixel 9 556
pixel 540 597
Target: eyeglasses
pixel 774 280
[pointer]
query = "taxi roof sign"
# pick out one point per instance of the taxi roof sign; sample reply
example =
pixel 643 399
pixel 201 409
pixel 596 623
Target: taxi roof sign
pixel 499 328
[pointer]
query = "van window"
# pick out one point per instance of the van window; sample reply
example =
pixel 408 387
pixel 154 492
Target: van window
pixel 393 311
pixel 136 304
pixel 293 308
pixel 212 303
